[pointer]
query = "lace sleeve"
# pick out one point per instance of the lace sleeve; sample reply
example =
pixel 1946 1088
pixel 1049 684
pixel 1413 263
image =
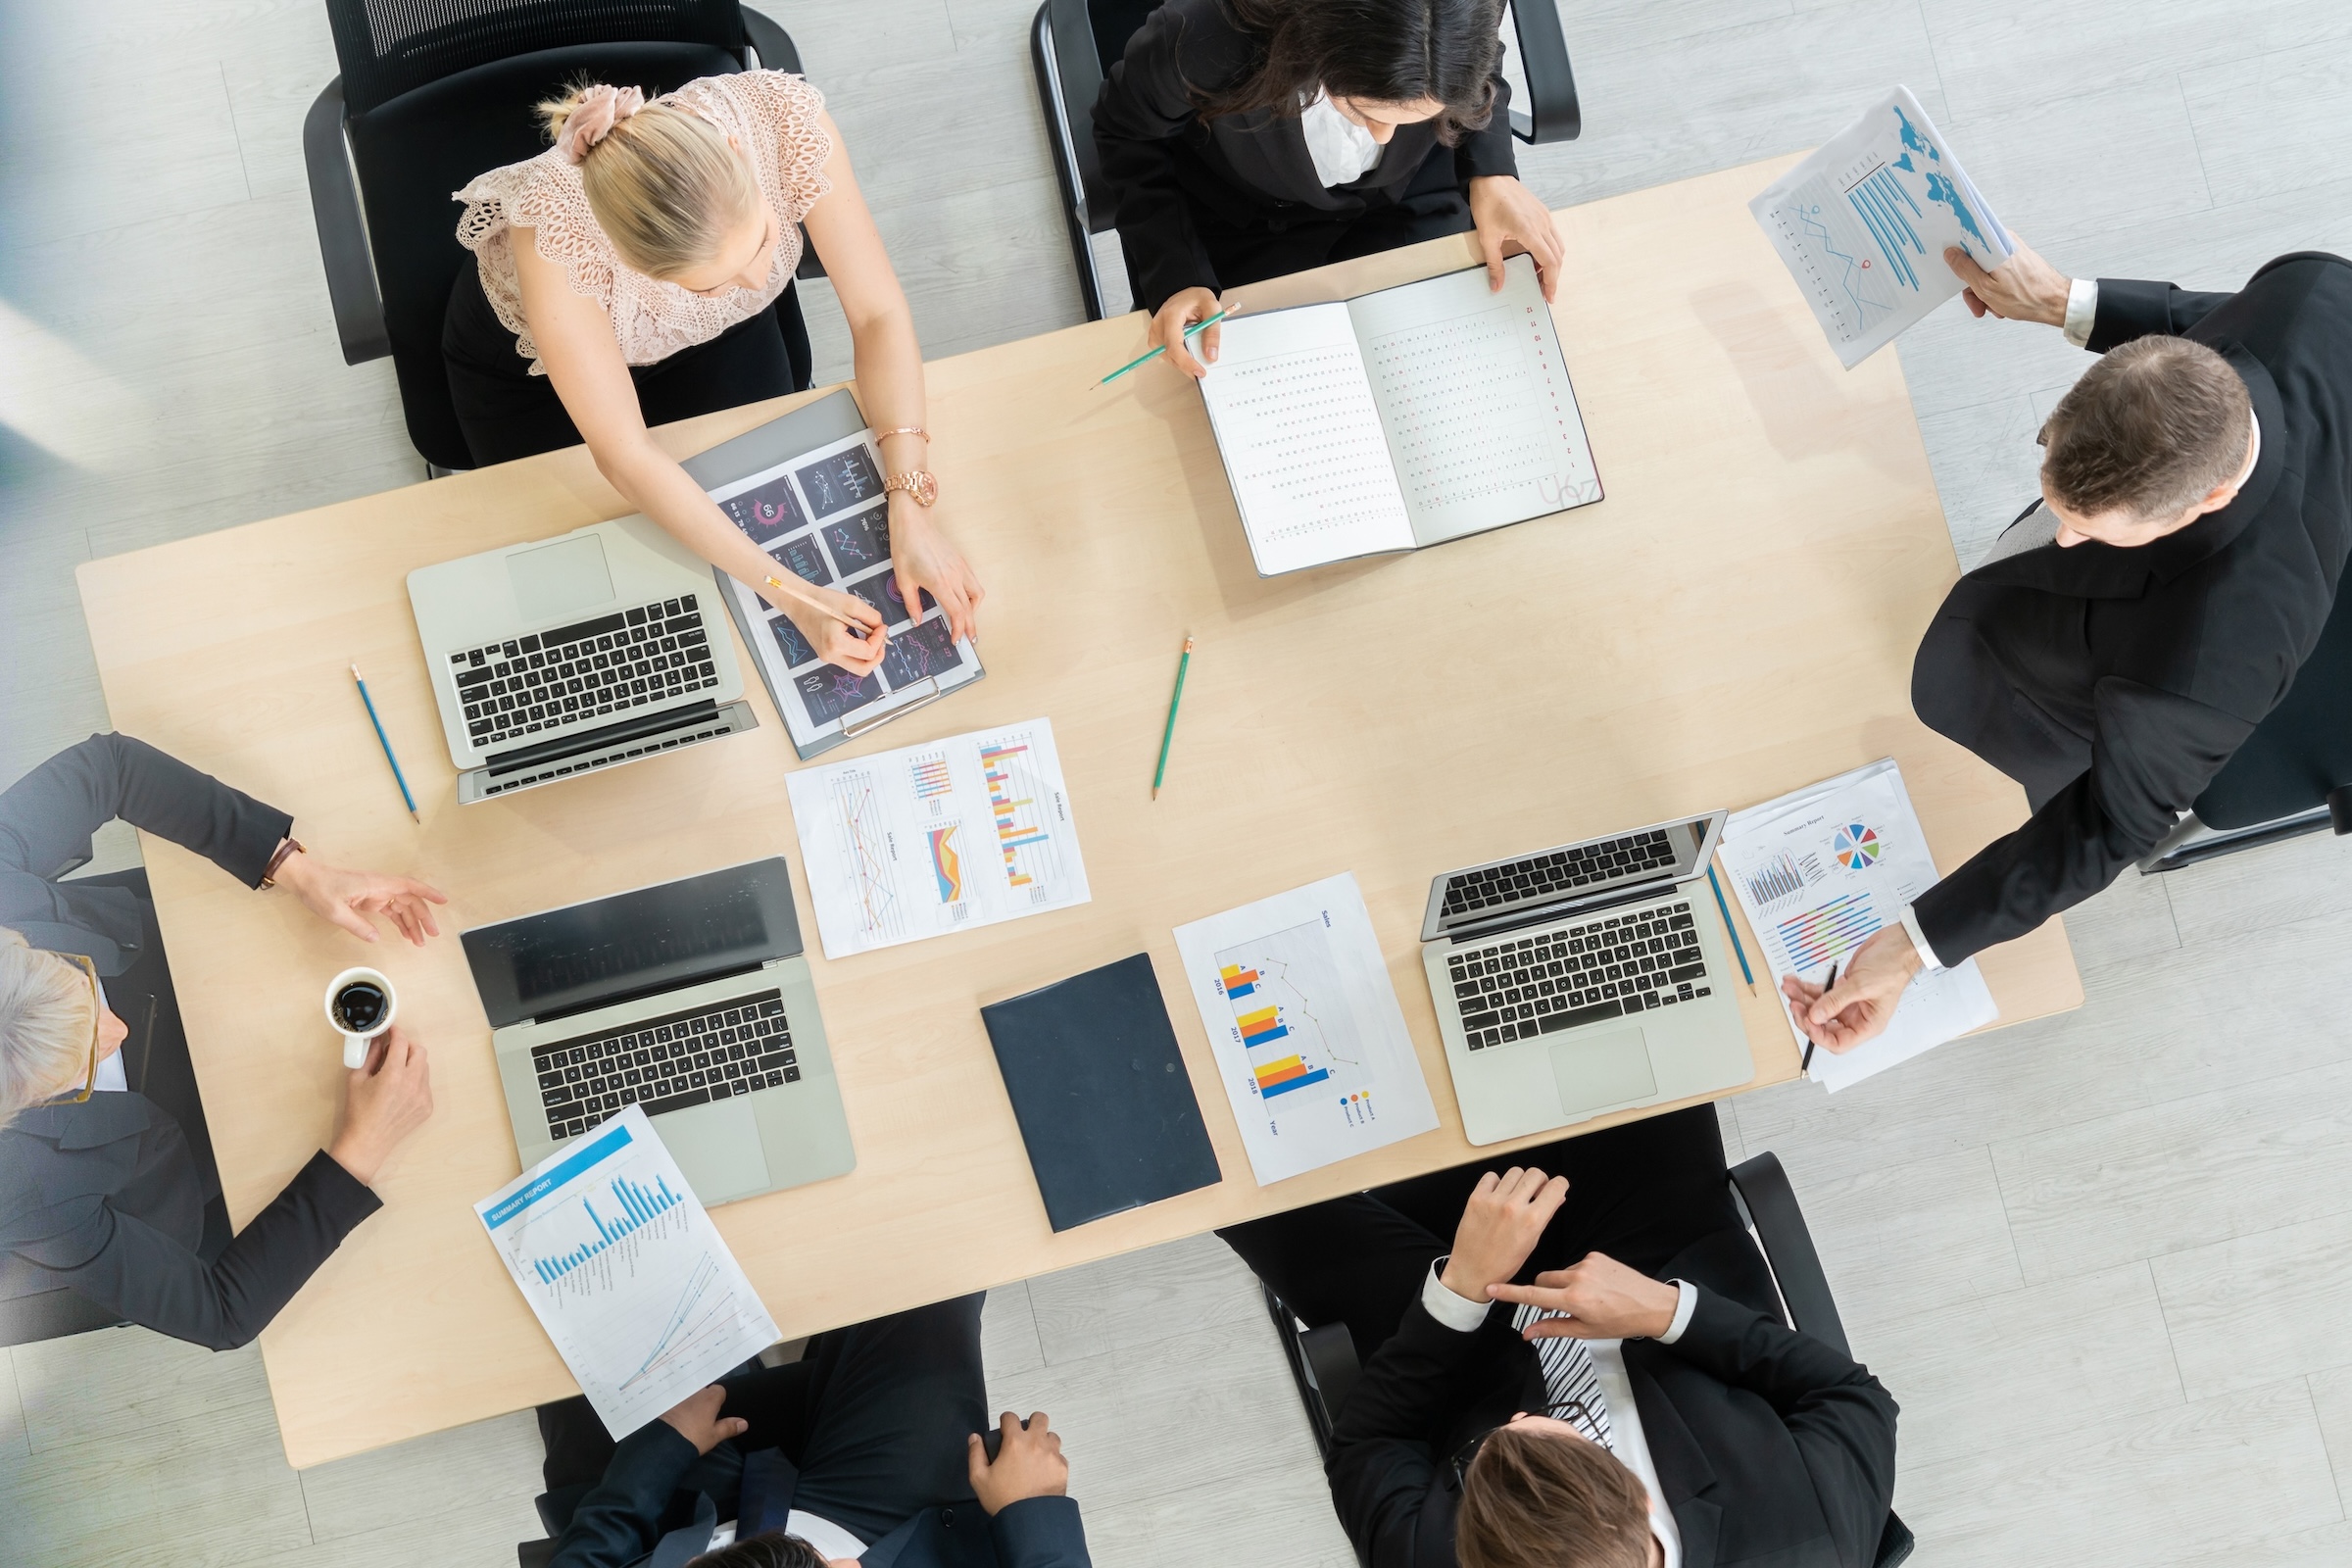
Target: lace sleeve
pixel 544 195
pixel 781 117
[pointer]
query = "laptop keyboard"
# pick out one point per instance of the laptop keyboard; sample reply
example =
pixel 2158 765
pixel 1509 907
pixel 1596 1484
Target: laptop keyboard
pixel 1557 872
pixel 615 663
pixel 1539 985
pixel 729 1047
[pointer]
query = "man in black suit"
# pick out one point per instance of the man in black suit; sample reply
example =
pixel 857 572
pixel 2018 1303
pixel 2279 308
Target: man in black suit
pixel 114 1195
pixel 2129 631
pixel 865 1454
pixel 1670 1419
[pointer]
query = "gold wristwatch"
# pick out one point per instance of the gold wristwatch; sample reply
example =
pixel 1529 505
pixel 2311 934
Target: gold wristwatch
pixel 916 482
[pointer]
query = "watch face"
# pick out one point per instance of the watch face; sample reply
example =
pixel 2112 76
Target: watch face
pixel 926 488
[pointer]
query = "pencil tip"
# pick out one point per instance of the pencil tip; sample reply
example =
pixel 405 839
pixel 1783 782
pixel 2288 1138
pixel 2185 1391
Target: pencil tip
pixel 1156 791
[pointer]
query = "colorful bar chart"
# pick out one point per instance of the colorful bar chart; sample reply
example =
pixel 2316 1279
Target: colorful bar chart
pixel 637 1204
pixel 931 776
pixel 1820 935
pixel 1013 835
pixel 1777 880
pixel 1286 1073
pixel 1237 981
pixel 1262 1027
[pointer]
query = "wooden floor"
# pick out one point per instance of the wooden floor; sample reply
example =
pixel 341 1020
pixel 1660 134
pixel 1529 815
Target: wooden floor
pixel 2105 1262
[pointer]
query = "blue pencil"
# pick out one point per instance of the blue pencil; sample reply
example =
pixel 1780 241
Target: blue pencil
pixel 386 740
pixel 1731 931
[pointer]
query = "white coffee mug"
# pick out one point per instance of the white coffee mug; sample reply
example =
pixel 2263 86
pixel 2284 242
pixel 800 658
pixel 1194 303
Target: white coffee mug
pixel 346 1019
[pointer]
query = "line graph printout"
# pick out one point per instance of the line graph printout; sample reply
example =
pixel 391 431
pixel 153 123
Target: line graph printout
pixel 931 839
pixel 1863 224
pixel 1306 1028
pixel 625 1271
pixel 1821 869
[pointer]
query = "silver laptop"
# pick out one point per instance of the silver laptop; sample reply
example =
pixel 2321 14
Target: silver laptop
pixel 691 1000
pixel 564 655
pixel 1582 979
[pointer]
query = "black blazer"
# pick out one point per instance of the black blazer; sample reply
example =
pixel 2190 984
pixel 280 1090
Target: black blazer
pixel 104 1196
pixel 1769 1447
pixel 2165 657
pixel 1252 171
pixel 620 1523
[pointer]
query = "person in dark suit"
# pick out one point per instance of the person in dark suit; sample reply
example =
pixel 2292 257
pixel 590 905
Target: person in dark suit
pixel 1245 139
pixel 2132 626
pixel 104 1191
pixel 866 1450
pixel 1668 1418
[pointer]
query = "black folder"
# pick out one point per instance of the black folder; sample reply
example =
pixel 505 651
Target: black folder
pixel 1100 1091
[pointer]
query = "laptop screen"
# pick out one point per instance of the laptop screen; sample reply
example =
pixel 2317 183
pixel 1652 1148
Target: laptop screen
pixel 637 943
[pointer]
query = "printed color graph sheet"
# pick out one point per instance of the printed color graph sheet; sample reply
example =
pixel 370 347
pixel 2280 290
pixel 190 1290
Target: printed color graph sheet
pixel 1820 871
pixel 1864 223
pixel 625 1271
pixel 931 839
pixel 1306 1031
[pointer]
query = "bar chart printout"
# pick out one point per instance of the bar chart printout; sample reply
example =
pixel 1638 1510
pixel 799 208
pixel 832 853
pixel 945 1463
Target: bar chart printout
pixel 932 839
pixel 1819 872
pixel 1306 1031
pixel 625 1271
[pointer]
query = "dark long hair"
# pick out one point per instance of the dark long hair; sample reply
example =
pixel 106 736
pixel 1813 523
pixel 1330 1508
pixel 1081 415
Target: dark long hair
pixel 1385 51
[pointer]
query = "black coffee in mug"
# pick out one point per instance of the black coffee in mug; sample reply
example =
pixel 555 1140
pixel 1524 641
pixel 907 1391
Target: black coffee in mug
pixel 358 1006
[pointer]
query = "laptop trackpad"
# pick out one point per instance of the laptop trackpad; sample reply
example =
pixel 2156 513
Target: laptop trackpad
pixel 717 1147
pixel 1606 1067
pixel 559 579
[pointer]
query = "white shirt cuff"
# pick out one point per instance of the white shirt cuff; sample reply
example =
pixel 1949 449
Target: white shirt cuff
pixel 2081 311
pixel 1456 1312
pixel 1682 1311
pixel 1919 940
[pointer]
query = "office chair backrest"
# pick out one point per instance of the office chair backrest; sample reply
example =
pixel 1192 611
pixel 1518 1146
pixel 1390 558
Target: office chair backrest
pixel 388 47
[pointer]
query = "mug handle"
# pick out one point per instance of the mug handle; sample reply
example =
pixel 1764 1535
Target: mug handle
pixel 354 1050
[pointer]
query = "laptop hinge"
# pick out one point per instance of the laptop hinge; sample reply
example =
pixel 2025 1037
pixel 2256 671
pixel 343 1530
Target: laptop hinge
pixel 623 998
pixel 628 729
pixel 1566 910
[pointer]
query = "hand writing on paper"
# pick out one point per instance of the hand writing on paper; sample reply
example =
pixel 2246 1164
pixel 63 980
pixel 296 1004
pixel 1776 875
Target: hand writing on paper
pixel 1859 1007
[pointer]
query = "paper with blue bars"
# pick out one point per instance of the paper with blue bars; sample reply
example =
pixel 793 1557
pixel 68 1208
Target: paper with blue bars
pixel 1863 224
pixel 625 1271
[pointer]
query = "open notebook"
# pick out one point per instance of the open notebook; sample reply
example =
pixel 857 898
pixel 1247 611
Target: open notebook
pixel 1397 420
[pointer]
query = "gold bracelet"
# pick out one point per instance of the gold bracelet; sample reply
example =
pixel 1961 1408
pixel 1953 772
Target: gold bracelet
pixel 881 436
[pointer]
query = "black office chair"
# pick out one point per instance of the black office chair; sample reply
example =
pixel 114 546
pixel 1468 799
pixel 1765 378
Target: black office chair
pixel 1072 42
pixel 2295 773
pixel 1323 1359
pixel 432 94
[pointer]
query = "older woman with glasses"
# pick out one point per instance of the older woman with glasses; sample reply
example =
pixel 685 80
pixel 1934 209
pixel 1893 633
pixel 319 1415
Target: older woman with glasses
pixel 107 1186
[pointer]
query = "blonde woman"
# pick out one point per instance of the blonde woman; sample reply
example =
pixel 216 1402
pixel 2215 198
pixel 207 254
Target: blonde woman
pixel 106 1186
pixel 628 276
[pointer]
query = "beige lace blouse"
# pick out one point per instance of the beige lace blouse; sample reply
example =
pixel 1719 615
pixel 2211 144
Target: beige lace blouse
pixel 771 113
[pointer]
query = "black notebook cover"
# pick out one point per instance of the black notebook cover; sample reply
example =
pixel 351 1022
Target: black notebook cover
pixel 1104 1101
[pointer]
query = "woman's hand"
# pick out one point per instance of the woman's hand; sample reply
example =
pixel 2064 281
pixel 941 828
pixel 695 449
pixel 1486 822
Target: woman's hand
pixel 383 1101
pixel 927 562
pixel 353 899
pixel 1509 217
pixel 1180 312
pixel 825 616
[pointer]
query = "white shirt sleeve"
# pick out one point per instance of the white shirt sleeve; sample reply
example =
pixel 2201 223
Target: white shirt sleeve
pixel 1919 939
pixel 1457 1312
pixel 2081 311
pixel 1682 1311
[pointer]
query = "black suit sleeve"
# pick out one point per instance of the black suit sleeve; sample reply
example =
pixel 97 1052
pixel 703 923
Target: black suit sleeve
pixel 2129 309
pixel 620 1520
pixel 1040 1533
pixel 1382 1468
pixel 47 816
pixel 1146 107
pixel 2152 755
pixel 128 1266
pixel 1488 150
pixel 1840 1417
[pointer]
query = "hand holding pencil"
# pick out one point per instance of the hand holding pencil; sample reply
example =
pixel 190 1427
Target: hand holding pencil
pixel 1186 328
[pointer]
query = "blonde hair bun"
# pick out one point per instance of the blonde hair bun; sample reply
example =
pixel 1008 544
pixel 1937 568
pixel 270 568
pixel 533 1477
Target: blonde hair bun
pixel 662 181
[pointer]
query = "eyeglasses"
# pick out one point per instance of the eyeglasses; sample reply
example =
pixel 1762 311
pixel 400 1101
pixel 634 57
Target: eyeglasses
pixel 1572 1412
pixel 89 1079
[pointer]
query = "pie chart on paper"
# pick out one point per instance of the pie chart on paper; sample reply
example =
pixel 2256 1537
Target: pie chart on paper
pixel 1856 846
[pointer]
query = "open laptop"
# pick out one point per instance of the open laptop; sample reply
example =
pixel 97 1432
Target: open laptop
pixel 1581 980
pixel 564 656
pixel 690 998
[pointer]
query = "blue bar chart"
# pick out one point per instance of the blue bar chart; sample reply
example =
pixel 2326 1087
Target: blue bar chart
pixel 637 1205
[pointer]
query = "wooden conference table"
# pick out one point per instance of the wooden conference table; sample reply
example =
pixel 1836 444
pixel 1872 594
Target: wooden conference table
pixel 1735 620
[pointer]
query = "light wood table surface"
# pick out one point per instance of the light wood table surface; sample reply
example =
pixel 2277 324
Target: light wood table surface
pixel 1737 619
